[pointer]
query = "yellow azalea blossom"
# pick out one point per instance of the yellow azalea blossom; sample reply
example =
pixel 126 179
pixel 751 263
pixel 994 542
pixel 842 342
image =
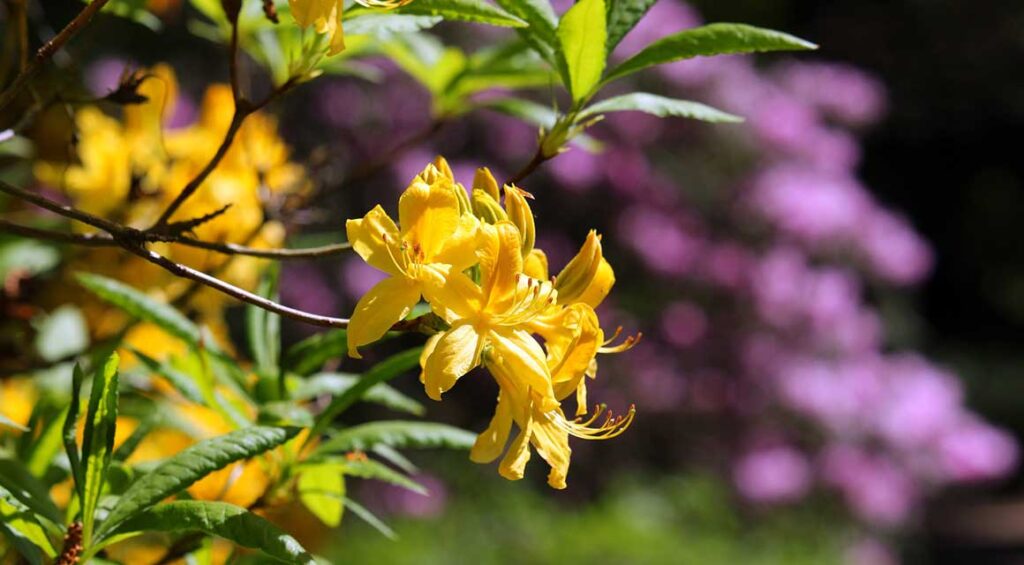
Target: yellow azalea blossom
pixel 17 399
pixel 492 315
pixel 435 240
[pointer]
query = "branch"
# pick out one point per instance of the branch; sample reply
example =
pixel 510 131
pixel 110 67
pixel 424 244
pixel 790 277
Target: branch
pixel 537 160
pixel 48 49
pixel 88 240
pixel 233 291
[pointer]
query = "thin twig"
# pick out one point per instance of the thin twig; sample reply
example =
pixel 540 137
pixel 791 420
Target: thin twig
pixel 106 240
pixel 60 209
pixel 233 291
pixel 537 160
pixel 48 49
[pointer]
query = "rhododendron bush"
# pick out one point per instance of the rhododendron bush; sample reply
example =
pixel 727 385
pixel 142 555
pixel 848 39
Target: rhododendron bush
pixel 601 219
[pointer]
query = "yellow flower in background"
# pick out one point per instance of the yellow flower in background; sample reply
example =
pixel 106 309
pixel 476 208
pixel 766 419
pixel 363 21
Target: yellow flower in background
pixel 17 399
pixel 434 241
pixel 131 169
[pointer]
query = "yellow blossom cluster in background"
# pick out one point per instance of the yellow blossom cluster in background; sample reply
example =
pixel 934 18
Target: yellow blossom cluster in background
pixel 130 169
pixel 472 258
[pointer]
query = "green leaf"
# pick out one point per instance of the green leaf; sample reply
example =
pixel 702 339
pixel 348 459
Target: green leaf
pixel 623 15
pixel 180 380
pixel 395 457
pixel 370 469
pixel 540 16
pixel 27 256
pixel 541 116
pixel 385 26
pixel 139 305
pixel 712 39
pixel 659 106
pixel 23 529
pixel 70 423
pixel 381 372
pixel 190 465
pixel 582 36
pixel 220 519
pixel 338 383
pixel 369 518
pixel 465 10
pixel 398 433
pixel 263 327
pixel 43 449
pixel 311 353
pixel 20 484
pixel 61 334
pixel 322 490
pixel 98 440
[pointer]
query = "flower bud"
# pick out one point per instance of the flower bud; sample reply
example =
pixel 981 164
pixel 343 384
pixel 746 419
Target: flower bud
pixel 487 208
pixel 442 166
pixel 519 213
pixel 484 180
pixel 578 275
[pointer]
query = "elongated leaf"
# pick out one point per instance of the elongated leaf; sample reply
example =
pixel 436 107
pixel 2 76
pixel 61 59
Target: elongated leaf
pixel 370 469
pixel 623 15
pixel 398 433
pixel 141 306
pixel 540 16
pixel 98 440
pixel 338 383
pixel 659 106
pixel 263 327
pixel 370 518
pixel 220 519
pixel 384 26
pixel 42 450
pixel 381 372
pixel 311 353
pixel 395 457
pixel 181 381
pixel 70 422
pixel 23 529
pixel 190 465
pixel 712 39
pixel 466 10
pixel 322 491
pixel 582 36
pixel 20 484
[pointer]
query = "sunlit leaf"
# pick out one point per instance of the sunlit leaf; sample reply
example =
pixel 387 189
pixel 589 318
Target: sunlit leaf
pixel 582 36
pixel 660 106
pixel 98 439
pixel 398 433
pixel 322 490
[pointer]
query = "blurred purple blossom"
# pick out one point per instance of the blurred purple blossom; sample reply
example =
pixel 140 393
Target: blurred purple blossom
pixel 773 474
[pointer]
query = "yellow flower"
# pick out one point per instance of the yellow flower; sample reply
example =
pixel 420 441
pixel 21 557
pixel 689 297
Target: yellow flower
pixel 325 17
pixel 434 241
pixel 494 314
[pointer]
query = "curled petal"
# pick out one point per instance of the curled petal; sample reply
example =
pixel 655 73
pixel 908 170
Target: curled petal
pixel 491 442
pixel 513 465
pixel 371 236
pixel 387 302
pixel 523 363
pixel 454 355
pixel 429 215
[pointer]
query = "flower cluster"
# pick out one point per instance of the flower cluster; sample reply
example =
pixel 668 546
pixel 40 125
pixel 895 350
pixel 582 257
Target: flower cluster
pixel 130 169
pixel 473 259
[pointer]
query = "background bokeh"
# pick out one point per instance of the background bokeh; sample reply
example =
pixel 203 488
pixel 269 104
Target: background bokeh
pixel 832 293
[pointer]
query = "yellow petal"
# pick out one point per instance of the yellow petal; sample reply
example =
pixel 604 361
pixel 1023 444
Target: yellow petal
pixel 460 248
pixel 552 444
pixel 500 262
pixel 490 443
pixel 441 164
pixel 428 348
pixel 599 286
pixel 371 236
pixel 578 274
pixel 535 265
pixel 513 465
pixel 484 180
pixel 453 298
pixel 306 12
pixel 387 302
pixel 525 362
pixel 455 354
pixel 429 215
pixel 570 361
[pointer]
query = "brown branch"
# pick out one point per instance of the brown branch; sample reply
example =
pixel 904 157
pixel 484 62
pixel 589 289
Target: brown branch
pixel 537 160
pixel 106 240
pixel 48 49
pixel 233 291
